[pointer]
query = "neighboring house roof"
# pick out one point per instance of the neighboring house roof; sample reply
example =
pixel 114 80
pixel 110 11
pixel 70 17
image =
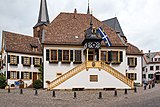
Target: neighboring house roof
pixel 150 56
pixel 133 50
pixel 68 28
pixel 114 24
pixel 18 43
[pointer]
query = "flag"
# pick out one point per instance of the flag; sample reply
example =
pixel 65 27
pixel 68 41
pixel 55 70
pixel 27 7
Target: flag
pixel 104 37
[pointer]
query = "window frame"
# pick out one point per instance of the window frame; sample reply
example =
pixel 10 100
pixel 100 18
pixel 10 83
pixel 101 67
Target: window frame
pixel 77 55
pixel 14 76
pixel 26 61
pixel 158 67
pixel 134 61
pixel 13 60
pixel 132 76
pixel 93 78
pixel 105 56
pixel 151 67
pixel 28 75
pixel 64 60
pixel 35 61
pixel 51 56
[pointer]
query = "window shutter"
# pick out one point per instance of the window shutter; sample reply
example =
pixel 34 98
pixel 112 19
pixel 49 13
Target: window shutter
pixel 17 74
pixel 135 61
pixel 33 60
pixel 21 75
pixel 47 54
pixel 71 55
pixel 8 74
pixel 17 59
pixel 40 61
pixel 30 75
pixel 109 56
pixel 59 55
pixel 30 60
pixel 8 58
pixel 128 61
pixel 22 60
pixel 121 56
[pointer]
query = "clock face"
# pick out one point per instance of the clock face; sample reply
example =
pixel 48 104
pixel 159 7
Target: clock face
pixel 94 45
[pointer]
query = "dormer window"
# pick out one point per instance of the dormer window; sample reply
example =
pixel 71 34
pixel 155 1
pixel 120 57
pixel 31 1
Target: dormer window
pixel 34 47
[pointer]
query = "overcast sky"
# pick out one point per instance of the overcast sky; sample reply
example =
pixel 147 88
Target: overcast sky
pixel 139 19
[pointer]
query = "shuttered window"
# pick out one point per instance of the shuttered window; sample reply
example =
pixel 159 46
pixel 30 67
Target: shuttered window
pixel 132 61
pixel 26 75
pixel 115 57
pixel 26 61
pixel 78 57
pixel 37 61
pixel 66 56
pixel 104 56
pixel 13 59
pixel 132 76
pixel 53 55
pixel 13 75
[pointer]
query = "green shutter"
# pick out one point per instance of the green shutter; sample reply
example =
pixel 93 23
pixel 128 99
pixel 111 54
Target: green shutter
pixel 71 55
pixel 22 60
pixel 135 61
pixel 33 60
pixel 128 61
pixel 8 58
pixel 109 56
pixel 8 74
pixel 17 59
pixel 17 74
pixel 21 75
pixel 40 61
pixel 59 55
pixel 30 75
pixel 30 60
pixel 47 54
pixel 121 56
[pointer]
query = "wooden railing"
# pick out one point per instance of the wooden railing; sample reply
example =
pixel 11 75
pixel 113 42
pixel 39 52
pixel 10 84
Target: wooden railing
pixel 117 74
pixel 66 76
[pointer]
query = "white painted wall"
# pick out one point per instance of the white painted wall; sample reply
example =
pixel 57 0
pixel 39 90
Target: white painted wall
pixel 50 70
pixel 137 69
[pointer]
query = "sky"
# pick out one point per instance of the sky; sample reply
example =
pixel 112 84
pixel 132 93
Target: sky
pixel 139 19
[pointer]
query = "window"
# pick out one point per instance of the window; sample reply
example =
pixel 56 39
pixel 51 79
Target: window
pixel 132 62
pixel 104 56
pixel 25 75
pixel 78 56
pixel 35 49
pixel 26 60
pixel 93 78
pixel 150 76
pixel 36 61
pixel 144 75
pixel 156 59
pixel 13 59
pixel 53 55
pixel 116 57
pixel 157 67
pixel 58 74
pixel 66 56
pixel 132 76
pixel 90 55
pixel 151 67
pixel 13 75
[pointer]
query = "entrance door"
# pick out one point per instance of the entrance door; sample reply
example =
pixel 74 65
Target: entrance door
pixel 35 74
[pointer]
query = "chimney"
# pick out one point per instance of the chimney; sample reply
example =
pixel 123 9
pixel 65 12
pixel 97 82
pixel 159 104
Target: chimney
pixel 75 12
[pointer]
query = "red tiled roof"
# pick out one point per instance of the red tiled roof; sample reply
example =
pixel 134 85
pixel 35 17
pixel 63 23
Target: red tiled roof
pixel 64 28
pixel 133 50
pixel 21 43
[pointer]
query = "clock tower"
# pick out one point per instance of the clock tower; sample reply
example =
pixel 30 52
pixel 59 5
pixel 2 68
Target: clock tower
pixel 92 43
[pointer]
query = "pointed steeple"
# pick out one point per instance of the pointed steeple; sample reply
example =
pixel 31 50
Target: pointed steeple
pixel 43 18
pixel 88 10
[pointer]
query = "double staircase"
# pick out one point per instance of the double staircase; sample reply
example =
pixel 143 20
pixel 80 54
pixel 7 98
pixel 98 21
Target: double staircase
pixel 87 65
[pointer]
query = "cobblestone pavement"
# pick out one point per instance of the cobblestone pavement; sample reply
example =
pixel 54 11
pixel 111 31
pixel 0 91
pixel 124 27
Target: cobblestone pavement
pixel 147 98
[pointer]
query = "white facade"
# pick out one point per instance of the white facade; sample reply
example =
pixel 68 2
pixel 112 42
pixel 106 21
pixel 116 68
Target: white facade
pixel 19 68
pixel 81 80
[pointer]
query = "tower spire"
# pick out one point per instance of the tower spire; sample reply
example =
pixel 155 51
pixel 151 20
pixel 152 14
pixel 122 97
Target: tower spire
pixel 43 18
pixel 88 10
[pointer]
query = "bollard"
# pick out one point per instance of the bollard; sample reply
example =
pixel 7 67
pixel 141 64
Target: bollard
pixel 149 87
pixel 21 91
pixel 9 90
pixel 125 91
pixel 74 95
pixel 36 92
pixel 54 95
pixel 135 89
pixel 100 95
pixel 115 92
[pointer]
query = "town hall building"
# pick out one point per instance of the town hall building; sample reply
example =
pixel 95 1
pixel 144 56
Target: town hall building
pixel 73 53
